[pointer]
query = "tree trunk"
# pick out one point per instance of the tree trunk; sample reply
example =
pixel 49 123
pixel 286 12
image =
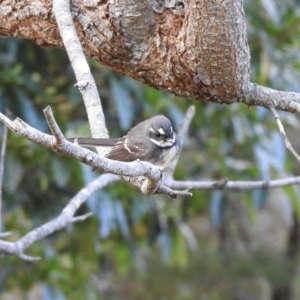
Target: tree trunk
pixel 194 49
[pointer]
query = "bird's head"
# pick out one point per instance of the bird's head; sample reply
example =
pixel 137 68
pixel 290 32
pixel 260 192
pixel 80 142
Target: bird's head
pixel 161 132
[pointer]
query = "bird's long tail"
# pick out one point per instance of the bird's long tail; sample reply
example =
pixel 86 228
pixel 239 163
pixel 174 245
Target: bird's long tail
pixel 90 142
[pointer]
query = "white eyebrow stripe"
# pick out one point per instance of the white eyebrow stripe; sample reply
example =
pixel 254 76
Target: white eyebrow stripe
pixel 152 130
pixel 161 131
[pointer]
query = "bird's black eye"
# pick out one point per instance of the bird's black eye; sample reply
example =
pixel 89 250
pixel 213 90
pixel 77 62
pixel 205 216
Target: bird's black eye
pixel 158 134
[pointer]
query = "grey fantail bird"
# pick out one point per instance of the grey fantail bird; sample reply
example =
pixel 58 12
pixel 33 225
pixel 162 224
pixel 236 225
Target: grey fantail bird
pixel 152 140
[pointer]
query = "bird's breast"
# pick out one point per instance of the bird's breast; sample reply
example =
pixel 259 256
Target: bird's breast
pixel 165 156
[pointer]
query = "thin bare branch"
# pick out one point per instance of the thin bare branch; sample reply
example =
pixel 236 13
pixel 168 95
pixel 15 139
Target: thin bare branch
pixel 66 217
pixel 81 218
pixel 163 189
pixel 2 159
pixel 182 133
pixel 82 154
pixel 282 131
pixel 85 80
pixel 233 185
pixel 58 135
pixel 5 234
pixel 185 124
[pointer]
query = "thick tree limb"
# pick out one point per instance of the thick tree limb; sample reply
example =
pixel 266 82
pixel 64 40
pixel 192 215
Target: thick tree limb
pixel 193 49
pixel 65 218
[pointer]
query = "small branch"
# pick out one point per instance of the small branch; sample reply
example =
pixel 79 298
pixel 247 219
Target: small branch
pixel 5 234
pixel 85 81
pixel 172 193
pixel 282 131
pixel 185 124
pixel 58 136
pixel 182 133
pixel 233 185
pixel 2 159
pixel 28 258
pixel 257 95
pixel 81 218
pixel 66 217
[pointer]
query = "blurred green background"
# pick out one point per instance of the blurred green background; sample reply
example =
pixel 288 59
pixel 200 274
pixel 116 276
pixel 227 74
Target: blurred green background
pixel 212 246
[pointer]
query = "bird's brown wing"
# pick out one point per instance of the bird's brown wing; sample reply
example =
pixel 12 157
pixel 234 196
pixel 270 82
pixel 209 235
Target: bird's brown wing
pixel 124 151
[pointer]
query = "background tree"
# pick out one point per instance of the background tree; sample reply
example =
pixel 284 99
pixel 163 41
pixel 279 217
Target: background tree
pixel 233 142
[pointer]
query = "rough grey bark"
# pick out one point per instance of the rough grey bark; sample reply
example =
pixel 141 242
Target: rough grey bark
pixel 195 49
